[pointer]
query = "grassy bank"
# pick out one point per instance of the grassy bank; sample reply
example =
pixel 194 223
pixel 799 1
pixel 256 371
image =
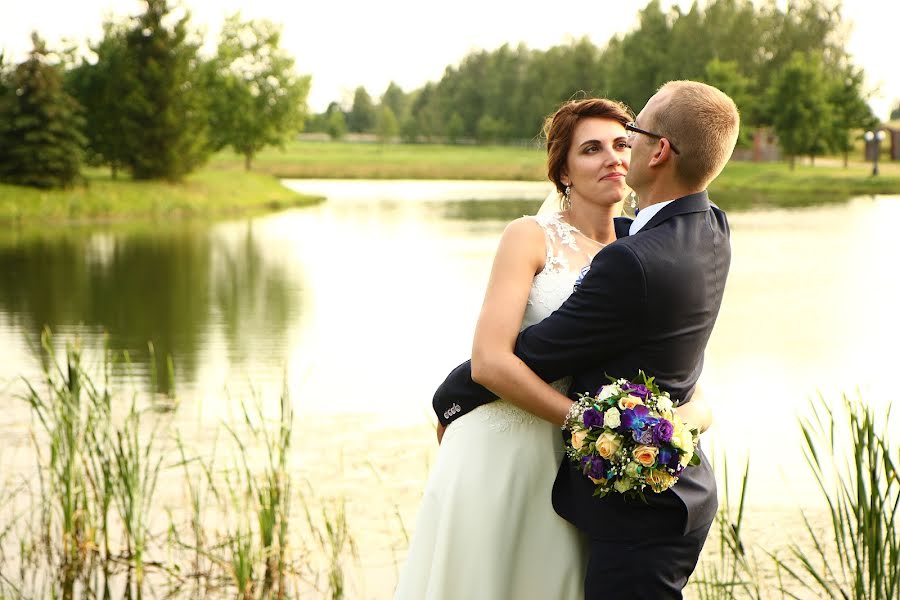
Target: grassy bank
pixel 741 185
pixel 207 193
pixel 347 160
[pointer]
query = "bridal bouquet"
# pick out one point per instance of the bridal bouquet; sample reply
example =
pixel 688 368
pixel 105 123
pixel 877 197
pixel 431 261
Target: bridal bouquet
pixel 628 437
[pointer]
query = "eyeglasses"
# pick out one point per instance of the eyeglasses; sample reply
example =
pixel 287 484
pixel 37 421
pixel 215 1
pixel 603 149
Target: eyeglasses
pixel 635 129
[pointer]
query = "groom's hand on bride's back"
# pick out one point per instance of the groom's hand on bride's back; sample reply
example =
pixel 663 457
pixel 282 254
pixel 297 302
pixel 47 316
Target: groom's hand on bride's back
pixel 440 432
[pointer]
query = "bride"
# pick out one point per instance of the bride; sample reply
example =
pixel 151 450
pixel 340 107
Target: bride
pixel 486 528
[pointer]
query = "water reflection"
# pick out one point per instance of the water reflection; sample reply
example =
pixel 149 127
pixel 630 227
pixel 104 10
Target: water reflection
pixel 174 287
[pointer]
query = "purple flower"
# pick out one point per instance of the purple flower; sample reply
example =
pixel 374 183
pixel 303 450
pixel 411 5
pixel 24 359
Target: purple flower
pixel 594 466
pixel 635 418
pixel 642 437
pixel 637 389
pixel 667 456
pixel 663 431
pixel 593 418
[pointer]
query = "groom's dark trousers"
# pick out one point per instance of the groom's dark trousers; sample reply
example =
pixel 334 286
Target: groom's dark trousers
pixel 649 302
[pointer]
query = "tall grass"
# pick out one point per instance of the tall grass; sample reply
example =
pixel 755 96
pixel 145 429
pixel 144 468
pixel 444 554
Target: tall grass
pixel 258 542
pixel 65 419
pixel 731 572
pixel 856 468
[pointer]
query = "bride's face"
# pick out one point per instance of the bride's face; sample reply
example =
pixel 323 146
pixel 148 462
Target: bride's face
pixel 597 161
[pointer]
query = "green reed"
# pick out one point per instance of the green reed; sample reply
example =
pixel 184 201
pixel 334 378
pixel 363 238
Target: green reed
pixel 136 473
pixel 334 539
pixel 260 505
pixel 730 570
pixel 65 419
pixel 860 484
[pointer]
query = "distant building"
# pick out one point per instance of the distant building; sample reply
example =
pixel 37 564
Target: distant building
pixel 892 129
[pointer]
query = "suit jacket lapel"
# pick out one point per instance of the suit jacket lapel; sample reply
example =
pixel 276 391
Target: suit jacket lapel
pixel 622 225
pixel 698 202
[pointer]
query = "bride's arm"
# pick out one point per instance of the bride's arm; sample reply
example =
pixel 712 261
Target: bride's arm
pixel 521 254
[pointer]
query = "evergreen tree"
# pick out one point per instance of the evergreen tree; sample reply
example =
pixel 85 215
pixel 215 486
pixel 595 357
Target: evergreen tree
pixel 41 143
pixel 361 117
pixel 256 98
pixel 394 98
pixel 165 112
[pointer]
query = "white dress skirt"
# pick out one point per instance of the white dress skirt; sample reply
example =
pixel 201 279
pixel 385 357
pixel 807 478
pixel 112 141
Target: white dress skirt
pixel 486 528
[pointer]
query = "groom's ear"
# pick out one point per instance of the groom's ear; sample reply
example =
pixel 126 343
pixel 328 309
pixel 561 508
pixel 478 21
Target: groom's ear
pixel 661 154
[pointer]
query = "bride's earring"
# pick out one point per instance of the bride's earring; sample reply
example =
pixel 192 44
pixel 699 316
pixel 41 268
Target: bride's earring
pixel 567 199
pixel 632 202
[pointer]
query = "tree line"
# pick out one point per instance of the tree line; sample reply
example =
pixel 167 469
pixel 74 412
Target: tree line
pixel 785 68
pixel 146 102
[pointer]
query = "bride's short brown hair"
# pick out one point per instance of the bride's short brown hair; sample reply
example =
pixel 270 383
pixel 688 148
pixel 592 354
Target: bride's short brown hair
pixel 560 127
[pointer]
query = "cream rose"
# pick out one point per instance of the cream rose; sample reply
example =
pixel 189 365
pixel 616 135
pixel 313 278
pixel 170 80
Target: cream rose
pixel 612 418
pixel 608 444
pixel 683 439
pixel 629 402
pixel 645 455
pixel 578 438
pixel 608 390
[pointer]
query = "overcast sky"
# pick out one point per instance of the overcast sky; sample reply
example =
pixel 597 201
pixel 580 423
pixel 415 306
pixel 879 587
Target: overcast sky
pixel 343 44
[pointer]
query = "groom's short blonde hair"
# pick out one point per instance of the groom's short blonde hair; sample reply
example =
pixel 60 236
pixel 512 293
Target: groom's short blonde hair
pixel 703 122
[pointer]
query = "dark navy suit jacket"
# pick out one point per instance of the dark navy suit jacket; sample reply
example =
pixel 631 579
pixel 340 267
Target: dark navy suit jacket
pixel 649 302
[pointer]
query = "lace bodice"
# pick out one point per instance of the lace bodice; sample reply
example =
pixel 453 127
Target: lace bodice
pixel 569 255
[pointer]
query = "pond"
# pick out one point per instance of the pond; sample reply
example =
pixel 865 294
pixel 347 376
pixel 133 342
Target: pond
pixel 361 305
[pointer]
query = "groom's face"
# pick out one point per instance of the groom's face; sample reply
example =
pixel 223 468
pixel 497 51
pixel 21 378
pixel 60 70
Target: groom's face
pixel 643 146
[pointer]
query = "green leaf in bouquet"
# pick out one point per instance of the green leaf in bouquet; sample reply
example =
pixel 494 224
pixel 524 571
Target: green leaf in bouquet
pixel 695 460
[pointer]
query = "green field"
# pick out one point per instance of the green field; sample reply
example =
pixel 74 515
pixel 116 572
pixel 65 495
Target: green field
pixel 348 160
pixel 207 193
pixel 741 185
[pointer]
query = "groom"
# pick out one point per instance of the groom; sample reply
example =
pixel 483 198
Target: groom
pixel 649 302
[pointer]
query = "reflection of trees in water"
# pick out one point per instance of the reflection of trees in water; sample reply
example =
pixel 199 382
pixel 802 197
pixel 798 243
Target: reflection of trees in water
pixel 138 288
pixel 488 210
pixel 145 287
pixel 255 300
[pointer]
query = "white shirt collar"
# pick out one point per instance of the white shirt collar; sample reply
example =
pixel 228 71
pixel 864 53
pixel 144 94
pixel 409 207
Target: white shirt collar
pixel 644 215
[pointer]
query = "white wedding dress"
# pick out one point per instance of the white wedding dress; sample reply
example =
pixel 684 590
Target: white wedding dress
pixel 486 528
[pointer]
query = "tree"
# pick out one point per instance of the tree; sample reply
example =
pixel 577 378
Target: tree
pixel 336 124
pixel 99 88
pixel 41 143
pixel 394 98
pixel 726 76
pixel 455 128
pixel 387 126
pixel 895 114
pixel 256 97
pixel 165 121
pixel 362 114
pixel 799 104
pixel 849 110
